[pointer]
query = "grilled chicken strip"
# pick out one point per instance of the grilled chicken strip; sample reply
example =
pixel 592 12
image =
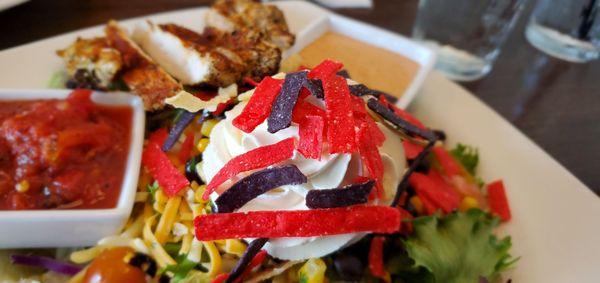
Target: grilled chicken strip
pixel 235 15
pixel 141 74
pixel 93 59
pixel 214 57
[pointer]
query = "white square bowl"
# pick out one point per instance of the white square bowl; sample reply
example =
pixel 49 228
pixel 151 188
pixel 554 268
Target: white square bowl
pixel 76 227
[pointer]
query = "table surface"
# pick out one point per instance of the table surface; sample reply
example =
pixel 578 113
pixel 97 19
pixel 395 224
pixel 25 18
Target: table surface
pixel 555 103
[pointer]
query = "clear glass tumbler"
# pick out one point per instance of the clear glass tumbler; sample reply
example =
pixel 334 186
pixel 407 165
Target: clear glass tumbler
pixel 467 34
pixel 567 29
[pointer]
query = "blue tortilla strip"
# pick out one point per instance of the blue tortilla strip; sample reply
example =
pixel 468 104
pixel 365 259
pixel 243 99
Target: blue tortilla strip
pixel 343 73
pixel 184 120
pixel 315 87
pixel 257 184
pixel 362 90
pixel 281 111
pixel 400 123
pixel 346 196
pixel 411 169
pixel 253 248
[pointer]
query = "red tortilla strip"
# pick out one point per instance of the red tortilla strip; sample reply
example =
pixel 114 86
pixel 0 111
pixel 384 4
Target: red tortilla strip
pixel 340 120
pixel 298 223
pixel 369 154
pixel 259 106
pixel 311 137
pixel 325 69
pixel 162 170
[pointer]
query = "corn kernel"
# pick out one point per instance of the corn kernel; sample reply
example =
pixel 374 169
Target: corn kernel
pixel 207 127
pixel 22 186
pixel 468 203
pixel 313 271
pixel 234 246
pixel 202 144
pixel 417 204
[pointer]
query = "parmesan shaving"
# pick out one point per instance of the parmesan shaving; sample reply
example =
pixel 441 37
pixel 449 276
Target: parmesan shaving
pixel 191 103
pixel 195 253
pixel 179 230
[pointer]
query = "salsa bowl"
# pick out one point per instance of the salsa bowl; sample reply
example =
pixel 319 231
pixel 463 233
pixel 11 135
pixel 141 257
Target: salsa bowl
pixel 76 227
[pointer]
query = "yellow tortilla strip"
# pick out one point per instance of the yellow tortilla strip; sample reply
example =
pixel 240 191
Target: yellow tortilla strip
pixel 191 103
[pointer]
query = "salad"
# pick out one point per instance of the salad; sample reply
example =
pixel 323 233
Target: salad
pixel 249 175
pixel 307 176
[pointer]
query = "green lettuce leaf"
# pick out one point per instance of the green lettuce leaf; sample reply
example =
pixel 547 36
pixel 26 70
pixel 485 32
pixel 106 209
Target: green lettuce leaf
pixel 467 156
pixel 183 267
pixel 459 247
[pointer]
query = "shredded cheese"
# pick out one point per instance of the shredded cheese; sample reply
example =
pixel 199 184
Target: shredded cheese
pixel 160 201
pixel 167 219
pixel 215 258
pixel 156 250
pixel 271 272
pixel 78 278
pixel 83 256
pixel 141 196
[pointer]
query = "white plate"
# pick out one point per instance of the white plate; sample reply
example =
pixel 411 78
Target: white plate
pixel 6 4
pixel 555 227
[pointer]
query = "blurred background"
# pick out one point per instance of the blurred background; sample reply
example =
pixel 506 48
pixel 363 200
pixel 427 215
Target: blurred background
pixel 554 102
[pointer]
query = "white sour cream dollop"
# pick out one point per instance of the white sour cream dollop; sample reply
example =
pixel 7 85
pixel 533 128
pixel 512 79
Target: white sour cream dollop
pixel 332 171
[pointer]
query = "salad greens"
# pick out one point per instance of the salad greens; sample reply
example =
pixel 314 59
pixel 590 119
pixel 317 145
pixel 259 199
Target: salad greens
pixel 468 156
pixel 183 267
pixel 459 247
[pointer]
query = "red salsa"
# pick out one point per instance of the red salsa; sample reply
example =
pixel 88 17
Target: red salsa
pixel 59 154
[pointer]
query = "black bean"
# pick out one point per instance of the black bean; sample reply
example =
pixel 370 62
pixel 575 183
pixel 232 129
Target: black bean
pixel 190 169
pixel 348 267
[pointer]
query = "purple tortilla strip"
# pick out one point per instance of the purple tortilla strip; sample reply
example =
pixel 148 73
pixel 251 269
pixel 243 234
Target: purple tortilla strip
pixel 315 87
pixel 257 184
pixel 362 90
pixel 281 112
pixel 346 196
pixel 184 120
pixel 400 123
pixel 411 169
pixel 343 73
pixel 253 248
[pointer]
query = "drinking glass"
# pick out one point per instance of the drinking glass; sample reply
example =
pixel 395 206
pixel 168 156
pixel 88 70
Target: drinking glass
pixel 467 34
pixel 567 29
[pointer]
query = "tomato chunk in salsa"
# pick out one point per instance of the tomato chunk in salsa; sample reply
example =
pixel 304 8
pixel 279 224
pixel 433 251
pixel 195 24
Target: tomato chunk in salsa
pixel 62 153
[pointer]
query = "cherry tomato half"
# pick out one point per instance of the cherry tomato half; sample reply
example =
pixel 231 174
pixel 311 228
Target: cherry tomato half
pixel 111 267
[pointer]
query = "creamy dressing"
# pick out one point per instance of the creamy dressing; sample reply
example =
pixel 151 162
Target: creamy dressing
pixel 376 67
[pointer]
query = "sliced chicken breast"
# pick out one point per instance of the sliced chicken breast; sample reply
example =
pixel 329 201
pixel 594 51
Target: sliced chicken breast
pixel 235 15
pixel 141 74
pixel 214 57
pixel 93 57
